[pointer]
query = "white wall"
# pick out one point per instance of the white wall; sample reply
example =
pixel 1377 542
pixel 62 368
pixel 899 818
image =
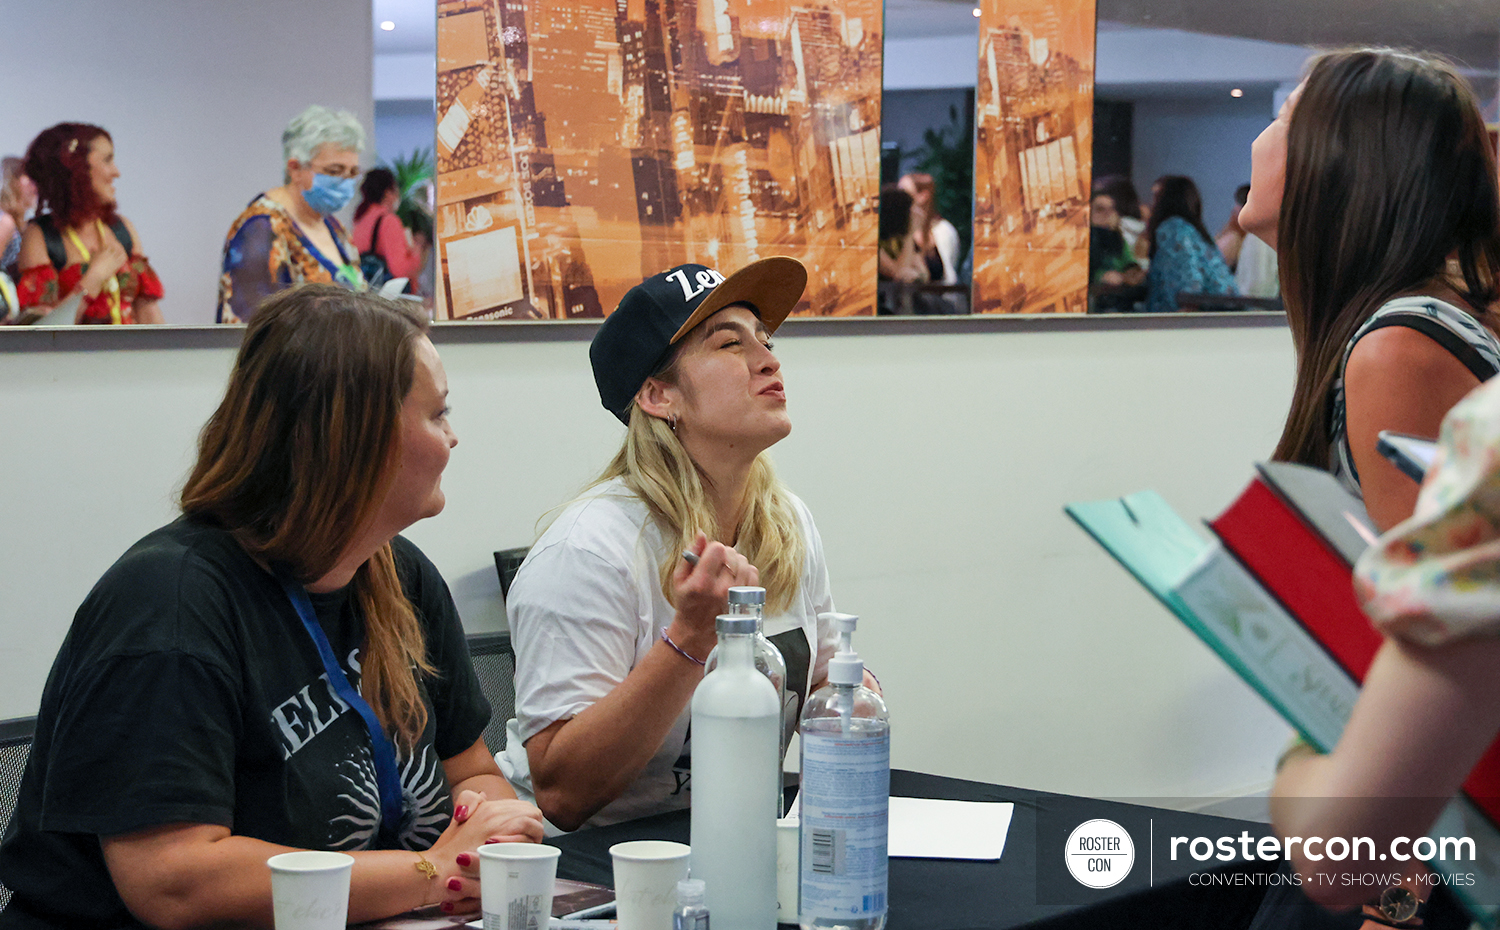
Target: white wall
pixel 195 94
pixel 936 458
pixel 1206 138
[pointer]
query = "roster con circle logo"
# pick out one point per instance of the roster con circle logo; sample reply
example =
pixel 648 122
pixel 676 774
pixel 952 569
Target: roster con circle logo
pixel 1099 853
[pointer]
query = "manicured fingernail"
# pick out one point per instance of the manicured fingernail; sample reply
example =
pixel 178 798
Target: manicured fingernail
pixel 463 860
pixel 462 813
pixel 446 907
pixel 455 884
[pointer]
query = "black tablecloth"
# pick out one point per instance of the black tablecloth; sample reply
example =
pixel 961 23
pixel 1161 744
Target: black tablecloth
pixel 941 894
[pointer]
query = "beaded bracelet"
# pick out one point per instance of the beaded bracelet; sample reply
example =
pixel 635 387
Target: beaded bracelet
pixel 679 650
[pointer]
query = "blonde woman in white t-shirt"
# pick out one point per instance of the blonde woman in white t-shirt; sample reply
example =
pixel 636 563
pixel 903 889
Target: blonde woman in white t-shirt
pixel 611 623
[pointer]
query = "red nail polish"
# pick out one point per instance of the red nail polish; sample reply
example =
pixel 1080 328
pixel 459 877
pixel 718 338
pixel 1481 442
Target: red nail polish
pixel 463 860
pixel 446 907
pixel 462 813
pixel 455 884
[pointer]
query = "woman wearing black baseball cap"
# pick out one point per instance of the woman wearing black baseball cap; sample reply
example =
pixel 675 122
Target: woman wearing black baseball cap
pixel 610 621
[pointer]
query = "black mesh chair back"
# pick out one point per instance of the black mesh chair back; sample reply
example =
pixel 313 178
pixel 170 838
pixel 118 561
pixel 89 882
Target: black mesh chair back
pixel 507 563
pixel 15 747
pixel 495 665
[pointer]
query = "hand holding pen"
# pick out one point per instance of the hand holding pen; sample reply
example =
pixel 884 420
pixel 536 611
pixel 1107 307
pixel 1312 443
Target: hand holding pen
pixel 701 583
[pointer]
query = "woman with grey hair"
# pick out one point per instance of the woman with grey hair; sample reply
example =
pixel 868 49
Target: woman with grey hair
pixel 289 235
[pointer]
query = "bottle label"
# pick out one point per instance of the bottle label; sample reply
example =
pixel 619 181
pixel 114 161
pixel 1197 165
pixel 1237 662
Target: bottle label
pixel 846 786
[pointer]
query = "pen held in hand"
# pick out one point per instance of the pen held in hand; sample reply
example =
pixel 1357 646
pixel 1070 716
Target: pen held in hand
pixel 690 557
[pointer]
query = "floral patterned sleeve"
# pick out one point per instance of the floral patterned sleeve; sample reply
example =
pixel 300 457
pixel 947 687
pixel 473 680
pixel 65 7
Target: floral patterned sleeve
pixel 1436 577
pixel 251 271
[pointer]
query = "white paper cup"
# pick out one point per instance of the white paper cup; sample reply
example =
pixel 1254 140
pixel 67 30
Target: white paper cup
pixel 646 877
pixel 788 847
pixel 310 889
pixel 515 885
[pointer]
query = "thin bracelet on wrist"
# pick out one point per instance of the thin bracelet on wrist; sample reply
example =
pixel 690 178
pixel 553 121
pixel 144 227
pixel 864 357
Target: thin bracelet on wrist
pixel 424 866
pixel 680 651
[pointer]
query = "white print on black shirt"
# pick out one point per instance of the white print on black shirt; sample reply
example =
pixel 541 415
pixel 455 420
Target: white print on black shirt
pixel 306 714
pixel 309 712
pixel 424 788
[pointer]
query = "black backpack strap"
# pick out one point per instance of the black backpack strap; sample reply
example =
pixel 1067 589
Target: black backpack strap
pixel 57 253
pixel 122 233
pixel 1444 337
pixel 375 234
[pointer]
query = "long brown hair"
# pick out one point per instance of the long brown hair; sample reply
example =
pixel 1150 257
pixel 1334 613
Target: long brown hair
pixel 1176 196
pixel 299 456
pixel 1389 172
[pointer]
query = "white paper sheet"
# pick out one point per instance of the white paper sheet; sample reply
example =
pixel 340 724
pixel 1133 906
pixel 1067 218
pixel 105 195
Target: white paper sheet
pixel 921 828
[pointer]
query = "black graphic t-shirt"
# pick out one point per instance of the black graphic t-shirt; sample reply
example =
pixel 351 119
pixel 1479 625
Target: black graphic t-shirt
pixel 188 691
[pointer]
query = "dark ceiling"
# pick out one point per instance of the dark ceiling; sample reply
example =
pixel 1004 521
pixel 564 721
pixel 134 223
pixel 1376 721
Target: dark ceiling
pixel 1467 31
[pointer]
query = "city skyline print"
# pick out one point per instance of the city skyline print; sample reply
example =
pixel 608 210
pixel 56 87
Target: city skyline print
pixel 583 145
pixel 1033 156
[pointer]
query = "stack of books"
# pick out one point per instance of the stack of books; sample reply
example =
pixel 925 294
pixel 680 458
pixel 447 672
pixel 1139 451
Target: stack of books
pixel 1272 594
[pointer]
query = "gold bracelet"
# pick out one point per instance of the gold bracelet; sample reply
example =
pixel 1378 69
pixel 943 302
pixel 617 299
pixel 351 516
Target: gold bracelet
pixel 425 867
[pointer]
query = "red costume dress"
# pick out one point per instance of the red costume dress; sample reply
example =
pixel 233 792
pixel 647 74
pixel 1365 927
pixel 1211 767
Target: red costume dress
pixel 44 287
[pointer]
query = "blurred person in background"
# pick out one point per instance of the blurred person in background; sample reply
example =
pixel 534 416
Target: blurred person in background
pixel 379 234
pixel 1184 259
pixel 1232 237
pixel 80 260
pixel 289 235
pixel 1133 214
pixel 1114 275
pixel 935 238
pixel 17 200
pixel 898 263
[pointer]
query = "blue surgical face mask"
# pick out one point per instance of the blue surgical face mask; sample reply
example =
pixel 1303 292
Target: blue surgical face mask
pixel 329 194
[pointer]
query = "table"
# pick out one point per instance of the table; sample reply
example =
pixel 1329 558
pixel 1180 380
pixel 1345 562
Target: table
pixel 1022 888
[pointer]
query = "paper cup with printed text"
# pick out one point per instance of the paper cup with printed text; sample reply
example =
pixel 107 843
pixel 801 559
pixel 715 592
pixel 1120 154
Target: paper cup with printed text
pixel 646 877
pixel 310 889
pixel 515 885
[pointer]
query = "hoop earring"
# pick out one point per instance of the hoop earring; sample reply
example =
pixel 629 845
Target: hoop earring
pixel 672 422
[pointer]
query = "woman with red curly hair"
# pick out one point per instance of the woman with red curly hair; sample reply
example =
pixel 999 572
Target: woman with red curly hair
pixel 80 260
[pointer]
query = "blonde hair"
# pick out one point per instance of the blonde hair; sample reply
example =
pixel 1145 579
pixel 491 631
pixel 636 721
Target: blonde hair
pixel 653 464
pixel 12 169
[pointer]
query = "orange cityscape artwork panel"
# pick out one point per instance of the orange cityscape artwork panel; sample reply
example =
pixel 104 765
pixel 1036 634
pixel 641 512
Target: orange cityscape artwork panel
pixel 583 145
pixel 1033 156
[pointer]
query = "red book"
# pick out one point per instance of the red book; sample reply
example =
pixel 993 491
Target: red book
pixel 1299 533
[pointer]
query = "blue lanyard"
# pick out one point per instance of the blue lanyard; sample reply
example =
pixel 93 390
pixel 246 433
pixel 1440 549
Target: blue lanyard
pixel 381 749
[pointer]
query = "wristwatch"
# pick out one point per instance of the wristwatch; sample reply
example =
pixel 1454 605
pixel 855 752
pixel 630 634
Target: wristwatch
pixel 1398 907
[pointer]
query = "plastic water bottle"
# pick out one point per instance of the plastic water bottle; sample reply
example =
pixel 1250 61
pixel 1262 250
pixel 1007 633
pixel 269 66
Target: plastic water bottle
pixel 736 783
pixel 750 601
pixel 846 787
pixel 690 913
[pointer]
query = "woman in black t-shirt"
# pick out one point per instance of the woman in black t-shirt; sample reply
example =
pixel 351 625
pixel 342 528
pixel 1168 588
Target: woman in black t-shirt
pixel 188 730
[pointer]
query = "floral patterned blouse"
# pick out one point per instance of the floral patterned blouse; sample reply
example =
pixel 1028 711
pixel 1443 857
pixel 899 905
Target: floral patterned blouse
pixel 265 252
pixel 42 287
pixel 1436 577
pixel 1184 263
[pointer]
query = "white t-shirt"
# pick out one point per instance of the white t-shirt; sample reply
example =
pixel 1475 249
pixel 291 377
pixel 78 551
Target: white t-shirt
pixel 945 237
pixel 1256 273
pixel 586 607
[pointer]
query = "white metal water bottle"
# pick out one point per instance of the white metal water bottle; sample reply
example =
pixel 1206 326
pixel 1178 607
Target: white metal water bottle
pixel 735 784
pixel 846 787
pixel 750 601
